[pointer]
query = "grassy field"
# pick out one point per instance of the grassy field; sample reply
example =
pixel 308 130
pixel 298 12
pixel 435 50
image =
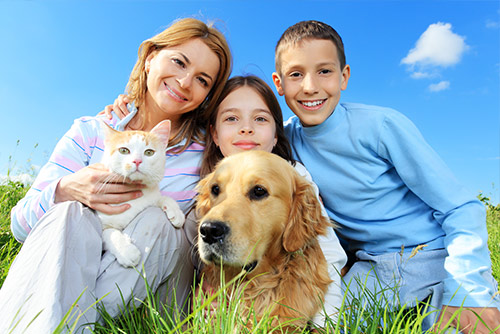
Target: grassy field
pixel 374 317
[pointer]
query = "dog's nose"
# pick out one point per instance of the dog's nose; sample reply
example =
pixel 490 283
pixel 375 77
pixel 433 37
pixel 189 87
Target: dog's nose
pixel 212 232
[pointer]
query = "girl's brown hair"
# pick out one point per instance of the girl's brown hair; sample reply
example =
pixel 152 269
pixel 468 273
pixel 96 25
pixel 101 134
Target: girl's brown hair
pixel 212 154
pixel 180 32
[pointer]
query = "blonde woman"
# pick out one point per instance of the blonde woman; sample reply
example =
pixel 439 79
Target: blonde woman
pixel 178 75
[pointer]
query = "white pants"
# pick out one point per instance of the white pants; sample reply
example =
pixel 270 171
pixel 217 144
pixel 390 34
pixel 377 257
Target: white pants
pixel 62 258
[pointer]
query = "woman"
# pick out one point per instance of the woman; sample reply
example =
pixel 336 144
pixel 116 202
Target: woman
pixel 178 75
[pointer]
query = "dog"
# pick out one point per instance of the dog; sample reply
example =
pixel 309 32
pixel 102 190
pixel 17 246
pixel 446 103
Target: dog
pixel 259 215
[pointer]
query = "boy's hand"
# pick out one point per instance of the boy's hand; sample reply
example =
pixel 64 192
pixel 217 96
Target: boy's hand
pixel 470 322
pixel 119 107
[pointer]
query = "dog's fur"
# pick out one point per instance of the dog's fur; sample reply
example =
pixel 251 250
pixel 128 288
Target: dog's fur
pixel 258 214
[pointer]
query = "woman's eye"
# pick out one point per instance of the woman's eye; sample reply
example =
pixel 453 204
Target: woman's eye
pixel 149 152
pixel 203 81
pixel 179 62
pixel 124 150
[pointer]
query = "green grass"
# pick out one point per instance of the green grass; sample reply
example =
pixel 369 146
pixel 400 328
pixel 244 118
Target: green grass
pixel 374 316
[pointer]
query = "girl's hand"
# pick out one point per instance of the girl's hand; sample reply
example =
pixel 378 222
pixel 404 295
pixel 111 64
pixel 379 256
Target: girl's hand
pixel 98 188
pixel 119 107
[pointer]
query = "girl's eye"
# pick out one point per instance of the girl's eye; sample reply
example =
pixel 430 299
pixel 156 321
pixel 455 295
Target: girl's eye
pixel 124 150
pixel 179 62
pixel 149 152
pixel 230 119
pixel 261 119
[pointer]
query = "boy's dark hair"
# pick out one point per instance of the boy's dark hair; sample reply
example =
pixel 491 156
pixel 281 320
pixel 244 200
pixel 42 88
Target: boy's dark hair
pixel 212 154
pixel 308 30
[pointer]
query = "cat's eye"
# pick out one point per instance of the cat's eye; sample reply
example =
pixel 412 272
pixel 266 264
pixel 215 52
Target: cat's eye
pixel 124 150
pixel 149 152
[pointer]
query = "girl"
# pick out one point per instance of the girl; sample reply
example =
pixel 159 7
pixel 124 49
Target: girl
pixel 178 75
pixel 248 117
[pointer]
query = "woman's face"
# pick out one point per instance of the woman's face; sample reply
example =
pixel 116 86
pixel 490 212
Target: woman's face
pixel 244 122
pixel 180 78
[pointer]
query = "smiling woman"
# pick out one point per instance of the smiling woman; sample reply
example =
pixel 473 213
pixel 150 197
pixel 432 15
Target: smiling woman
pixel 178 73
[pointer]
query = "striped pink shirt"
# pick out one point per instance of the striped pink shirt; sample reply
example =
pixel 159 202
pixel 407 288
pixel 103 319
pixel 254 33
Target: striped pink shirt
pixel 83 145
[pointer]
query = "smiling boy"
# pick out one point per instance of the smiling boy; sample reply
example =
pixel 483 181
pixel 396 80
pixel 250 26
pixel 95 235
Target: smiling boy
pixel 385 186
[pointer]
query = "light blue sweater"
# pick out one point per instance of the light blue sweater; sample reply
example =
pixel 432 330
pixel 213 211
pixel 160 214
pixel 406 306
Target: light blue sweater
pixel 389 190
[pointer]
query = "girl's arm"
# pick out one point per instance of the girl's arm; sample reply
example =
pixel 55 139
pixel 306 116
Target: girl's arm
pixel 336 259
pixel 119 107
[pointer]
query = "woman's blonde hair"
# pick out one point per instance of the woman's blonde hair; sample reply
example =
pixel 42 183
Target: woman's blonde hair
pixel 180 32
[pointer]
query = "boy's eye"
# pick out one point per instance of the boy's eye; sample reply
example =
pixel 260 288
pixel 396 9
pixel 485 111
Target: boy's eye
pixel 149 152
pixel 124 150
pixel 295 74
pixel 325 71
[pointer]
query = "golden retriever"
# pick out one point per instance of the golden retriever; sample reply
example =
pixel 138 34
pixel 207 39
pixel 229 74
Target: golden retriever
pixel 259 215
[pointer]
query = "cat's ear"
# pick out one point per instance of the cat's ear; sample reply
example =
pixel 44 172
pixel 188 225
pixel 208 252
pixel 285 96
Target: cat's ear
pixel 108 130
pixel 162 130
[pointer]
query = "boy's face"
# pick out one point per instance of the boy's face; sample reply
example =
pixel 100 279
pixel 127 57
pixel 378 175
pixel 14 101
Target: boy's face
pixel 311 79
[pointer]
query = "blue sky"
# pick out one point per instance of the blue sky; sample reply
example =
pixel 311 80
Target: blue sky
pixel 438 62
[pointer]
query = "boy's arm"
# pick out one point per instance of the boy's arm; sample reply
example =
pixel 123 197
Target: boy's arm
pixel 460 214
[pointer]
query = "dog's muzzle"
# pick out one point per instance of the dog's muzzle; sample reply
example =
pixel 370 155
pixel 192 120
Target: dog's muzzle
pixel 212 232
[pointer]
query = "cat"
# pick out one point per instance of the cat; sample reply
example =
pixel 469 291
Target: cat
pixel 139 156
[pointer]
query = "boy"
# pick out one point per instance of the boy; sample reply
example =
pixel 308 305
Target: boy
pixel 387 189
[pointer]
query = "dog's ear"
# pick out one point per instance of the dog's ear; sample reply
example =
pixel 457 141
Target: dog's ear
pixel 203 197
pixel 306 221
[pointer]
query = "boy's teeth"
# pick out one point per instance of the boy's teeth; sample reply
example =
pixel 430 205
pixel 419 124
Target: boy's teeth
pixel 312 104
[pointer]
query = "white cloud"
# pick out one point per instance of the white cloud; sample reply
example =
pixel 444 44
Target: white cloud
pixel 439 86
pixel 490 24
pixel 438 46
pixel 423 75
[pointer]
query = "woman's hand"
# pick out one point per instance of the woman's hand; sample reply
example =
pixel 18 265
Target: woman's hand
pixel 119 107
pixel 98 188
pixel 469 319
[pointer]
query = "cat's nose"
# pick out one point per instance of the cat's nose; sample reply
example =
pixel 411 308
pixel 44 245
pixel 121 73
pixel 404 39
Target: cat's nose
pixel 137 162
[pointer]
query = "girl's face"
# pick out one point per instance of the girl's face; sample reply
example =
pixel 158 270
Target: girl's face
pixel 244 122
pixel 180 78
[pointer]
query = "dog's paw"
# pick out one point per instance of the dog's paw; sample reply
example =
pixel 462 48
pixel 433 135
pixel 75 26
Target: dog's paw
pixel 129 256
pixel 173 212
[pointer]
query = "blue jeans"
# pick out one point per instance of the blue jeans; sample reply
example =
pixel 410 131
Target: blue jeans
pixel 399 279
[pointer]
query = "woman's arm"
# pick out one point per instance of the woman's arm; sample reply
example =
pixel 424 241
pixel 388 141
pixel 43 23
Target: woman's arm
pixel 69 175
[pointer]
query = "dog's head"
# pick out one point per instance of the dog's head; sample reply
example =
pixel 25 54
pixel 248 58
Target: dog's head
pixel 255 205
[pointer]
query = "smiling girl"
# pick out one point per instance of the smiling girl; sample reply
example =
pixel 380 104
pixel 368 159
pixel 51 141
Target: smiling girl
pixel 248 117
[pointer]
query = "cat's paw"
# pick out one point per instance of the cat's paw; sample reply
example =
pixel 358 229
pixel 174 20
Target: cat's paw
pixel 129 256
pixel 173 211
pixel 175 215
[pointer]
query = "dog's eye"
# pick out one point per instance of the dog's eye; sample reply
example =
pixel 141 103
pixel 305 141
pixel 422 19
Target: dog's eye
pixel 258 193
pixel 215 190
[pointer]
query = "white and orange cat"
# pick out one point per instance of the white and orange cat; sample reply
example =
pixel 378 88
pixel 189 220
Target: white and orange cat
pixel 139 156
